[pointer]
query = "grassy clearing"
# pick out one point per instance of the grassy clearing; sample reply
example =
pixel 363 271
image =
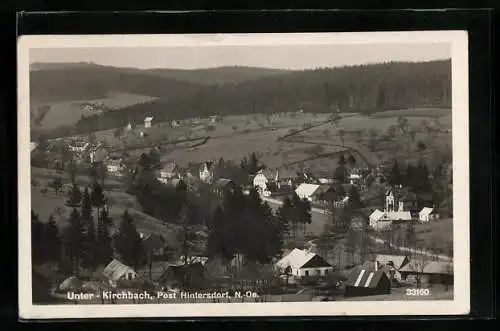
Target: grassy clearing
pixel 416 112
pixel 64 113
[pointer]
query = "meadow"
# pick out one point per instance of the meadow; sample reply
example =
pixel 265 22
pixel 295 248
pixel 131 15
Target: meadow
pixel 67 113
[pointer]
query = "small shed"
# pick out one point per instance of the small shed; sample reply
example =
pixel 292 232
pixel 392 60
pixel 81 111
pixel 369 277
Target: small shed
pixel 363 282
pixel 70 284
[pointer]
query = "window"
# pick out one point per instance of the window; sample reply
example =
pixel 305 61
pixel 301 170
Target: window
pixel 318 272
pixel 307 273
pixel 326 272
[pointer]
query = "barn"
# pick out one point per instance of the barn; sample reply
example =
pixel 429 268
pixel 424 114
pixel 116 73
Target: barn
pixel 363 282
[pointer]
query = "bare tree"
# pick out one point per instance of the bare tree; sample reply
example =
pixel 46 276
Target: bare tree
pixel 418 267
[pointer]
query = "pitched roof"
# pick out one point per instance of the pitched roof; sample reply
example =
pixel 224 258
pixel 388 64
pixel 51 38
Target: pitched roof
pixel 426 211
pixel 306 189
pixel 377 214
pixel 222 182
pixel 429 267
pixel 115 270
pixel 298 258
pixel 149 118
pixel 399 215
pixel 397 260
pixel 365 278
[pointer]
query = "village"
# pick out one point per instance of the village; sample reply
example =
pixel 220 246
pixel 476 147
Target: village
pixel 351 231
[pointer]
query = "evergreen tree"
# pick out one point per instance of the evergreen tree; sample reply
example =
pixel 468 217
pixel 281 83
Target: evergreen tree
pixel 189 218
pixel 339 174
pixel 395 177
pixel 305 214
pixel 253 166
pixel 52 240
pixel 89 238
pixel 97 197
pixel 351 160
pixel 104 248
pixel 342 160
pixel 354 198
pixel 127 241
pixel 37 240
pixel 75 197
pixel 283 216
pixel 74 238
pixel 295 215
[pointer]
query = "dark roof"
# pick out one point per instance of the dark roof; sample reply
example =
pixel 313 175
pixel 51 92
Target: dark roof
pixel 178 272
pixel 222 182
pixel 366 278
pixel 316 262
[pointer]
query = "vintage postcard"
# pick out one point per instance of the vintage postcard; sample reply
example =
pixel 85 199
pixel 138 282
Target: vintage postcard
pixel 307 174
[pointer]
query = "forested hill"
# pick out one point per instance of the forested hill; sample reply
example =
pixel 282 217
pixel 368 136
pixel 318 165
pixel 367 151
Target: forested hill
pixel 364 89
pixel 54 82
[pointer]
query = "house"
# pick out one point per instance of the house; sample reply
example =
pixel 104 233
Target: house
pixel 78 146
pixel 193 259
pixel 427 214
pixel 115 166
pixel 186 276
pixel 206 172
pixel 383 220
pixel 98 154
pixel 129 126
pixel 354 176
pixel 397 261
pixel 215 118
pixel 147 122
pixel 335 195
pixel 116 271
pixel 363 282
pixel 168 171
pixel 400 199
pixel 312 192
pixel 278 178
pixel 428 272
pixel 223 186
pixel 175 124
pixel 301 264
pixel 153 244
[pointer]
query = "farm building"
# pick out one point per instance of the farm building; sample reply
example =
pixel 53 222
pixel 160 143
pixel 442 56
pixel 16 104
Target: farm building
pixel 427 214
pixel 428 272
pixel 148 122
pixel 116 271
pixel 187 276
pixel 206 172
pixel 115 166
pixel 397 261
pixel 363 282
pixel 383 220
pixel 300 264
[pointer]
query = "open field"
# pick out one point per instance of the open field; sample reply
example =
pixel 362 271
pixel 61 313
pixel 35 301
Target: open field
pixel 64 113
pixel 415 112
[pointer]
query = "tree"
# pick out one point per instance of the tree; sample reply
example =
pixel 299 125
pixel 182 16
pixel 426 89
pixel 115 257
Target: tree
pixel 340 174
pixel 118 133
pixel 418 266
pixel 351 160
pixel 354 198
pixel 411 236
pixel 74 239
pixel 52 240
pixel 373 134
pixel 253 167
pixel 305 213
pixel 75 197
pixel 127 241
pixel 395 176
pixel 283 216
pixel 89 236
pixel 97 197
pixel 421 146
pixel 341 134
pixel 189 218
pixel 37 239
pixel 104 248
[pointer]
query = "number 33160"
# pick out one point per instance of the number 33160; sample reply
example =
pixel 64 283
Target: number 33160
pixel 418 291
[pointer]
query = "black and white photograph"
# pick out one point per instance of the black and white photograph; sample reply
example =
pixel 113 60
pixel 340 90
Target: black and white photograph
pixel 243 174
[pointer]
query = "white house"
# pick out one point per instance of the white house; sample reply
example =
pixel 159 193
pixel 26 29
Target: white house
pixel 383 220
pixel 206 172
pixel 147 121
pixel 427 214
pixel 306 190
pixel 128 127
pixel 114 166
pixel 168 171
pixel 260 181
pixel 301 263
pixel 116 271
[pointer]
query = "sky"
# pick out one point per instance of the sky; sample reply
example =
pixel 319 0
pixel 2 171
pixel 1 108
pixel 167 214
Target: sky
pixel 294 57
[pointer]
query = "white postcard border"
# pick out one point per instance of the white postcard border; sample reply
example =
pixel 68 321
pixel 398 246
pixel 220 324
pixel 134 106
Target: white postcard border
pixel 460 304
